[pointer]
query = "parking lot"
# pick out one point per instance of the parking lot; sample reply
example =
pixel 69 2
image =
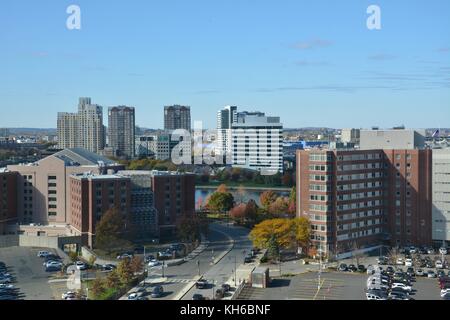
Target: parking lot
pixel 30 279
pixel 334 286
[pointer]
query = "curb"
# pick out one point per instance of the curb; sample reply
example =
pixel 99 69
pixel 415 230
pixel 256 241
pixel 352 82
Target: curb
pixel 186 289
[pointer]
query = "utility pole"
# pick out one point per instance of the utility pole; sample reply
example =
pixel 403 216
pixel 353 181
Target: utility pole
pixel 145 267
pixel 198 266
pixel 163 264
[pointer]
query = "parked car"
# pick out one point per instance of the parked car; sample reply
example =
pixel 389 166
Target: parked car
pixel 154 263
pixel 133 296
pixel 431 274
pixel 56 264
pixel 226 287
pixel 398 295
pixel 410 272
pixel 219 294
pixel 430 251
pixel 352 268
pixel 68 294
pixel 108 267
pixel 408 262
pixel 201 284
pixel 124 256
pixel 382 261
pixel 198 297
pixel 157 292
pixel 43 254
pixel 53 268
pixel 343 267
pixel 400 262
pixel 401 286
pixel 374 296
pixel 439 264
pixel 412 250
pixel 370 269
pixel 165 255
pixel 390 270
pixel 248 259
pixel 81 265
pixel 150 258
pixel 361 268
pixel 443 251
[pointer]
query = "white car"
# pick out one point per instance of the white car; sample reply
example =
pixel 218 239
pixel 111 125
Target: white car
pixel 53 264
pixel 371 296
pixel 408 263
pixel 81 265
pixel 443 251
pixel 154 263
pixel 133 296
pixel 43 254
pixel 67 295
pixel 445 292
pixel 439 265
pixel 402 286
pixel 412 250
pixel 400 262
pixel 6 286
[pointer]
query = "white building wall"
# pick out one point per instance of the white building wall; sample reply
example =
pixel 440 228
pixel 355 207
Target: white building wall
pixel 441 195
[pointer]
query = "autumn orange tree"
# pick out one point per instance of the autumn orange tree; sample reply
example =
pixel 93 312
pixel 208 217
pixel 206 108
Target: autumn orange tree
pixel 273 235
pixel 302 228
pixel 267 198
pixel 276 234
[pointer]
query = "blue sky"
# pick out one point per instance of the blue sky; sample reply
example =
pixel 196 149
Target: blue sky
pixel 314 63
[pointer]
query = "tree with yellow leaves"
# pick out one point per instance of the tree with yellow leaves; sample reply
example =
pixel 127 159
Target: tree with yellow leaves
pixel 273 235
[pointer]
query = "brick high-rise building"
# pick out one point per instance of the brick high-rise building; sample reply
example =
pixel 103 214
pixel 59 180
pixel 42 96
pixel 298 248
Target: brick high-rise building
pixel 8 199
pixel 359 199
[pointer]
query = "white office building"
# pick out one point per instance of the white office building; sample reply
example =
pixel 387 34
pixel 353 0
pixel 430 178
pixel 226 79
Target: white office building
pixel 441 196
pixel 257 142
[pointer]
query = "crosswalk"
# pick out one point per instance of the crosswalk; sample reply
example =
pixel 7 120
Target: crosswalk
pixel 173 281
pixel 330 289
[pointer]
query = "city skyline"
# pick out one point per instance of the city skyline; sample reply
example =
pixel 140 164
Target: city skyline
pixel 283 60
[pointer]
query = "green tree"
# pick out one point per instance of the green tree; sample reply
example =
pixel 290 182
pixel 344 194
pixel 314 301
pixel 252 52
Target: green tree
pixel 73 256
pixel 221 202
pixel 109 230
pixel 97 288
pixel 113 280
pixel 124 272
pixel 188 228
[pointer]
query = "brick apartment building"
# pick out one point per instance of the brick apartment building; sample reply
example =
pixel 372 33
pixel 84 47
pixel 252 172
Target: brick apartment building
pixel 359 199
pixel 92 196
pixel 42 186
pixel 8 199
pixel 174 197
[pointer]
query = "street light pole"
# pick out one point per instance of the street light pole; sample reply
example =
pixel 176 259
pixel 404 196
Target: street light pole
pixel 198 266
pixel 145 267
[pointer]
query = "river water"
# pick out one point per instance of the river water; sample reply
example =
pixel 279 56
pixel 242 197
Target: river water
pixel 203 194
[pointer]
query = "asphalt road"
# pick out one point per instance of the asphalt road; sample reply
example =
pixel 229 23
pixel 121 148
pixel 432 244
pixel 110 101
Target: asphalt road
pixel 26 267
pixel 222 238
pixel 218 274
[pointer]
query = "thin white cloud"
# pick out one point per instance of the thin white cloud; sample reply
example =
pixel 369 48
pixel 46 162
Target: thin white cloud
pixel 312 44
